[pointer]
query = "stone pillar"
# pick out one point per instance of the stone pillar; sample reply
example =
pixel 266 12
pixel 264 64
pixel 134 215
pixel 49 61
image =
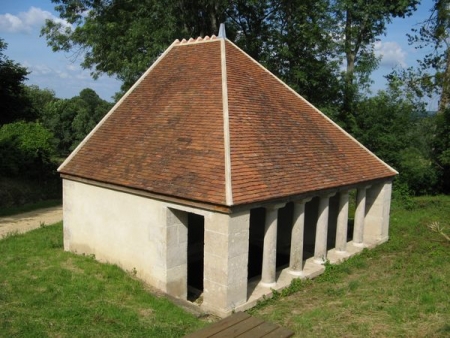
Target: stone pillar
pixel 376 224
pixel 176 256
pixel 296 257
pixel 386 196
pixel 269 263
pixel 342 222
pixel 225 262
pixel 360 214
pixel 320 248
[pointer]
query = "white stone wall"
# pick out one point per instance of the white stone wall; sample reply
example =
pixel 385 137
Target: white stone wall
pixel 131 231
pixel 150 236
pixel 118 228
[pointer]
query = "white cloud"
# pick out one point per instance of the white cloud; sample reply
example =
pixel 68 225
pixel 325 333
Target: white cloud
pixel 39 70
pixel 72 67
pixel 25 22
pixel 392 54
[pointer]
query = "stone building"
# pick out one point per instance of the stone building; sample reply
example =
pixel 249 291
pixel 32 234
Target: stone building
pixel 211 176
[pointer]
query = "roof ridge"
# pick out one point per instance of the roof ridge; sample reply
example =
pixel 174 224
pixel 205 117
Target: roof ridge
pixel 199 39
pixel 226 125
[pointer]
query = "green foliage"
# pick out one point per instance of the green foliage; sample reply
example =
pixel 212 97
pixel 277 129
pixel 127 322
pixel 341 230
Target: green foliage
pixel 124 37
pixel 14 104
pixel 40 99
pixel 302 42
pixel 26 149
pixel 432 76
pixel 398 131
pixel 441 149
pixel 72 119
pixel 30 150
pixel 16 192
pixel 402 196
pixel 383 122
pixel 418 171
pixel 356 27
pixel 270 32
pixel 90 109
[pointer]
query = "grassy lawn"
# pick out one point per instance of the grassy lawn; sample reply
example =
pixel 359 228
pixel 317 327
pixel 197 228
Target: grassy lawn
pixel 46 292
pixel 399 289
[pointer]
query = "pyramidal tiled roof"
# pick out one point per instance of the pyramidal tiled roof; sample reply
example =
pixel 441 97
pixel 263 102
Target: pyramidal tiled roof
pixel 207 123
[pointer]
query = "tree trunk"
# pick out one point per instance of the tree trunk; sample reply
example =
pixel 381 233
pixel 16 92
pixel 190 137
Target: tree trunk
pixel 347 110
pixel 349 52
pixel 445 93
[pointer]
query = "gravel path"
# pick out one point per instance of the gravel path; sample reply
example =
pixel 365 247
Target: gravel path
pixel 29 220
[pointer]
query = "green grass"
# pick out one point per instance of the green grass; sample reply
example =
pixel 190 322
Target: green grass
pixel 46 292
pixel 29 207
pixel 399 289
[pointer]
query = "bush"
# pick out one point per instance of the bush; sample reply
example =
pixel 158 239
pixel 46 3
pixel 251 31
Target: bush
pixel 401 195
pixel 26 149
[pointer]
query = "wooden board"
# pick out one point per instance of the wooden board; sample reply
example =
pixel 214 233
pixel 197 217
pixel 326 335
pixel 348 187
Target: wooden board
pixel 242 325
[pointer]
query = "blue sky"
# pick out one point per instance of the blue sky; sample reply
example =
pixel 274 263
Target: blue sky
pixel 21 20
pixel 20 24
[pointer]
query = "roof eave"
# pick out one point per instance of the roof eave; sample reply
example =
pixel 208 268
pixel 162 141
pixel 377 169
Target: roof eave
pixel 222 208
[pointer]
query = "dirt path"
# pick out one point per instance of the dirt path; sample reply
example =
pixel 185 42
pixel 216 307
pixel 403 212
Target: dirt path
pixel 29 220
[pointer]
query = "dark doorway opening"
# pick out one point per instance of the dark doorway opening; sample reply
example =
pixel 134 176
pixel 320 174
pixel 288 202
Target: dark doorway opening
pixel 284 234
pixel 256 241
pixel 311 216
pixel 195 257
pixel 351 214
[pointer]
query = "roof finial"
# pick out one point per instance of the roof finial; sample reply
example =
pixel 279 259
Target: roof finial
pixel 222 33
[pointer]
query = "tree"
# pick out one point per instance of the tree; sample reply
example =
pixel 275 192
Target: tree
pixel 58 118
pixel 124 38
pixel 358 23
pixel 90 109
pixel 14 104
pixel 432 77
pixel 441 149
pixel 72 119
pixel 433 73
pixel 39 100
pixel 398 131
pixel 290 39
pixel 25 149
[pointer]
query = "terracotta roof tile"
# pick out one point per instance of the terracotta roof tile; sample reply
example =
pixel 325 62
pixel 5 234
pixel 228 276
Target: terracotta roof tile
pixel 166 136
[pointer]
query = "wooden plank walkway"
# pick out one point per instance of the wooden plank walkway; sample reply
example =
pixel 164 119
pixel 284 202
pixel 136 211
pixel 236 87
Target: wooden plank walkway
pixel 242 325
